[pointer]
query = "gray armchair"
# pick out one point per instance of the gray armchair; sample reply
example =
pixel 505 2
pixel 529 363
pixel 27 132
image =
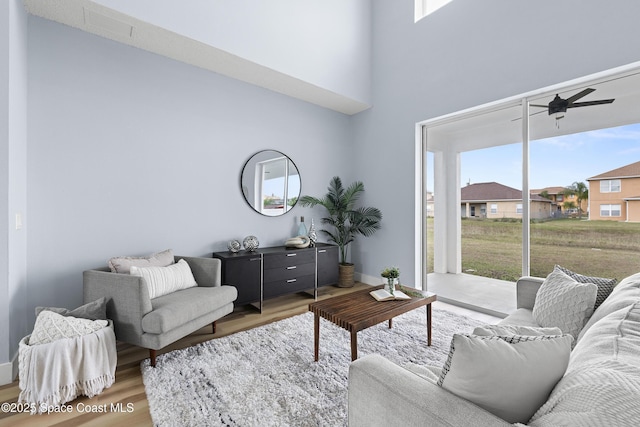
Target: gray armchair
pixel 156 323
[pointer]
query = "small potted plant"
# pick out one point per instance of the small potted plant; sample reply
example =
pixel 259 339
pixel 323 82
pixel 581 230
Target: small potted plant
pixel 391 274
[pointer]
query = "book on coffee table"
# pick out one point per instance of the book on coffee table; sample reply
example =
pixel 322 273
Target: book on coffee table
pixel 383 295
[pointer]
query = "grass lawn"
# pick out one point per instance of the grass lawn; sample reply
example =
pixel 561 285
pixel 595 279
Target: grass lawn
pixel 595 248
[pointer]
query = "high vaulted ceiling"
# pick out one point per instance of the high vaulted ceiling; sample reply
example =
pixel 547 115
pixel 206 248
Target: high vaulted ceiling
pixel 109 23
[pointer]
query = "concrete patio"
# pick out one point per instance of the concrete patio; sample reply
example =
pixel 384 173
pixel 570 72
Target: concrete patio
pixel 490 296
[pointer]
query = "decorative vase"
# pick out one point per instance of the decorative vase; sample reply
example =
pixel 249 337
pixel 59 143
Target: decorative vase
pixel 302 228
pixel 391 283
pixel 313 236
pixel 345 277
pixel 233 246
pixel 250 243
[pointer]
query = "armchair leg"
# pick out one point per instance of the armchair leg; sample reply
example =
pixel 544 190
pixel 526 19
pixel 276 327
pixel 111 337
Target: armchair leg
pixel 152 356
pixel 213 327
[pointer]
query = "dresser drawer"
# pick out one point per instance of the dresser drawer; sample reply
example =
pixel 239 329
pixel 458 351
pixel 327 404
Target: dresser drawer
pixel 281 287
pixel 289 258
pixel 288 272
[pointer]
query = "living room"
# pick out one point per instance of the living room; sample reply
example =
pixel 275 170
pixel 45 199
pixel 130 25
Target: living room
pixel 111 149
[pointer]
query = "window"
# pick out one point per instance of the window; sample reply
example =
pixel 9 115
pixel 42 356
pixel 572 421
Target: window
pixel 425 7
pixel 559 198
pixel 610 210
pixel 519 208
pixel 610 186
pixel 494 208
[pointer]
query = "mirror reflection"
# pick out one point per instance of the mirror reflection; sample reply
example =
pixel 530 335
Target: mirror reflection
pixel 270 183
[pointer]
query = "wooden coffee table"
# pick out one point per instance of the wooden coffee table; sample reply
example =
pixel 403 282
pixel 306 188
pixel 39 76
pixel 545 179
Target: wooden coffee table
pixel 359 310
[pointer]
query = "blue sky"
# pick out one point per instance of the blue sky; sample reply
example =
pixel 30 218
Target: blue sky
pixel 558 161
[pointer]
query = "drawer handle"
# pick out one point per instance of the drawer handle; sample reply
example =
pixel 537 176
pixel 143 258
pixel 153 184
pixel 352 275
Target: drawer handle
pixel 293 267
pixel 292 254
pixel 321 251
pixel 254 259
pixel 291 280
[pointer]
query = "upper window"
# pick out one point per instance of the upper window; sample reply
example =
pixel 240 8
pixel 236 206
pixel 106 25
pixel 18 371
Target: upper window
pixel 560 198
pixel 610 186
pixel 425 7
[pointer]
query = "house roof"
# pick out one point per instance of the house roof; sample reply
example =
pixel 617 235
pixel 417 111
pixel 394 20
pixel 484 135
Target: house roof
pixel 549 190
pixel 493 191
pixel 629 171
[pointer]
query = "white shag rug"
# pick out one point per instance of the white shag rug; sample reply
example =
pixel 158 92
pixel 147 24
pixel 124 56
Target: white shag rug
pixel 266 376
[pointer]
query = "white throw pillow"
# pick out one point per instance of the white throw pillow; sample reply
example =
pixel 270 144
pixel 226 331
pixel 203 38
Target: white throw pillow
pixel 165 280
pixel 515 330
pixel 52 326
pixel 509 376
pixel 564 303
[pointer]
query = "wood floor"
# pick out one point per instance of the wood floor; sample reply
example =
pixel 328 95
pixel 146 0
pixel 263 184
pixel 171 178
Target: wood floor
pixel 128 390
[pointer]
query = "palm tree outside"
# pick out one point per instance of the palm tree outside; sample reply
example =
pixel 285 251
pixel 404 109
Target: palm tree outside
pixel 581 191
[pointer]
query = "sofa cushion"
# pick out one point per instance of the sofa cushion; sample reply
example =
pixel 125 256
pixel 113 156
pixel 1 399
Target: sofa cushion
pixel 122 264
pixel 180 307
pixel 564 303
pixel 165 280
pixel 515 330
pixel 509 376
pixel 626 293
pixel 94 310
pixel 605 286
pixel 602 383
pixel 52 326
pixel 520 317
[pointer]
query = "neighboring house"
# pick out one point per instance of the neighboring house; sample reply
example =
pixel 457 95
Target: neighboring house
pixel 615 195
pixel 430 204
pixel 494 200
pixel 558 198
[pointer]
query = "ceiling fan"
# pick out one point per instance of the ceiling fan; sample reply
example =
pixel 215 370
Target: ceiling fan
pixel 559 105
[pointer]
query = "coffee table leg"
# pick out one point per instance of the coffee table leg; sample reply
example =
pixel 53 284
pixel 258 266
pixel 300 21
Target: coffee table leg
pixel 316 336
pixel 354 345
pixel 390 323
pixel 428 324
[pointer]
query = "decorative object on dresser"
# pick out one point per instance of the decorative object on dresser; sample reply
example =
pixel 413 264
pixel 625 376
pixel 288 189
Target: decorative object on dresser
pixel 298 242
pixel 234 246
pixel 271 272
pixel 250 243
pixel 345 220
pixel 313 235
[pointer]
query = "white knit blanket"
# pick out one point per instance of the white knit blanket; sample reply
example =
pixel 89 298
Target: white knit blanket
pixel 58 372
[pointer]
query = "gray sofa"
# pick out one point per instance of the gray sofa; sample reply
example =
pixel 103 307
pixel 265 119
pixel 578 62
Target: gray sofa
pixel 156 323
pixel 601 386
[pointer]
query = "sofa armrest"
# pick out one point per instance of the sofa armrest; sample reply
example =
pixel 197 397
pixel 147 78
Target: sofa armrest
pixel 206 271
pixel 526 289
pixel 127 300
pixel 382 393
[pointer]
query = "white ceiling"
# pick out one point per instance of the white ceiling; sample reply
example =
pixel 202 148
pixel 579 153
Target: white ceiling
pixel 109 23
pixel 500 123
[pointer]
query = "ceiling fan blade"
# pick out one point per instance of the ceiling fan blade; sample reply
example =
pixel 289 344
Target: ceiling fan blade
pixel 537 105
pixel 586 104
pixel 580 95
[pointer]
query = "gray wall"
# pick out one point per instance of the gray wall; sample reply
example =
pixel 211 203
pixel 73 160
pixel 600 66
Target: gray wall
pixel 326 43
pixel 13 140
pixel 465 54
pixel 131 153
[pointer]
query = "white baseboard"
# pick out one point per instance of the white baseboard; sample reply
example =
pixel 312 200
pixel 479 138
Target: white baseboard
pixel 9 371
pixel 368 280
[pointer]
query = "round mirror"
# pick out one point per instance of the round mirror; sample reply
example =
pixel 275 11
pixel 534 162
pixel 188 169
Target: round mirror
pixel 270 183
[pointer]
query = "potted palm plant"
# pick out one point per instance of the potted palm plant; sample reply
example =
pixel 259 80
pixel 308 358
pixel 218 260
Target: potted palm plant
pixel 345 221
